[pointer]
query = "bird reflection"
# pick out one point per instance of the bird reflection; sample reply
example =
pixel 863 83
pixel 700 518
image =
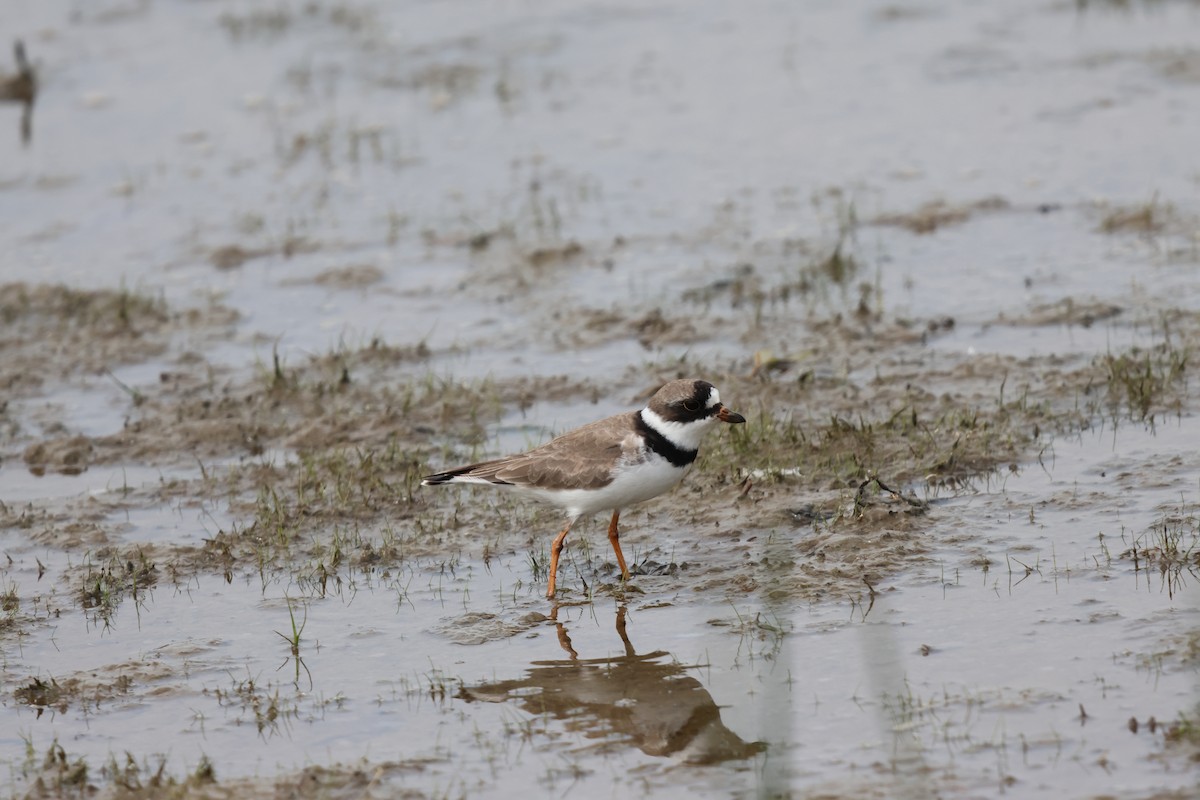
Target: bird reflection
pixel 649 699
pixel 21 88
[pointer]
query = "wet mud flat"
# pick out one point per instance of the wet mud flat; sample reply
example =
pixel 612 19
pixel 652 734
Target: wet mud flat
pixel 232 599
pixel 953 551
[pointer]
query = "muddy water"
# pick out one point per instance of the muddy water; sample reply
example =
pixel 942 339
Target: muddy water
pixel 607 195
pixel 1016 659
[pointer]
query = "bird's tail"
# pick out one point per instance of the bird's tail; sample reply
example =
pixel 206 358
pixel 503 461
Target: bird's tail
pixel 440 478
pixel 452 475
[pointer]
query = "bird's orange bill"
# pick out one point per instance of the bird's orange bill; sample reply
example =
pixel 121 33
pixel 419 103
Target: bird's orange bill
pixel 725 415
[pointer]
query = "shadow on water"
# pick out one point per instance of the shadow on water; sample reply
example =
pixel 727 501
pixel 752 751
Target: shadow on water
pixel 649 700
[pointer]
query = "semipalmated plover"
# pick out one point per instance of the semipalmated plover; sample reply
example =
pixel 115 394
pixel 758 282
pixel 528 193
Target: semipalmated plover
pixel 608 464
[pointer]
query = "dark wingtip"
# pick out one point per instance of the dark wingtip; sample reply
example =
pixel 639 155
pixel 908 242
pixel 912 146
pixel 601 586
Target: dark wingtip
pixel 438 478
pixel 450 475
pixel 444 477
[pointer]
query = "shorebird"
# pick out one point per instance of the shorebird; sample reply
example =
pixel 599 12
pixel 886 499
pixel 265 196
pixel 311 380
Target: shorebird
pixel 609 464
pixel 21 88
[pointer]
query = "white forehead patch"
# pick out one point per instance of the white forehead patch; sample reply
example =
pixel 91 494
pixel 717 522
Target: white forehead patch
pixel 714 398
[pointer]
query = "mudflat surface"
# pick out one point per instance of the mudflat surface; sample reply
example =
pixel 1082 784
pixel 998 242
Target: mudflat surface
pixel 266 265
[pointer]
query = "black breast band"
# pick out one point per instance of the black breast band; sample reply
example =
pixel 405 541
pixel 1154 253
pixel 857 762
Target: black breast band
pixel 662 445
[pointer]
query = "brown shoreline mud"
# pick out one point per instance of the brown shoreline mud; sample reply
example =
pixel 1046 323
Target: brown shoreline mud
pixel 266 268
pixel 340 441
pixel 308 469
pixel 315 466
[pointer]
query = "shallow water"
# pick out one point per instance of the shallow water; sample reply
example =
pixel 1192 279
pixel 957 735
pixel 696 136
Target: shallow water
pixel 943 102
pixel 979 680
pixel 676 145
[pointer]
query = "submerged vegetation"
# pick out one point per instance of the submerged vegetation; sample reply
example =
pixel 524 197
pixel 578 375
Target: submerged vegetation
pixel 381 239
pixel 1147 218
pixel 103 586
pixel 1146 383
pixel 322 459
pixel 306 469
pixel 1170 549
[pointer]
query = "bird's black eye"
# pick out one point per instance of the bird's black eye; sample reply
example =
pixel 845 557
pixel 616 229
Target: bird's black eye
pixel 692 404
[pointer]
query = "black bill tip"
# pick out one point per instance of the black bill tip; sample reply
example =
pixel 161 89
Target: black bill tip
pixel 725 415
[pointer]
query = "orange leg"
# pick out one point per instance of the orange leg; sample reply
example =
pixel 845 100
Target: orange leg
pixel 556 548
pixel 564 641
pixel 614 536
pixel 629 651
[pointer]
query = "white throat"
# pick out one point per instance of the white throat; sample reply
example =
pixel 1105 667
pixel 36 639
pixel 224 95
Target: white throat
pixel 684 435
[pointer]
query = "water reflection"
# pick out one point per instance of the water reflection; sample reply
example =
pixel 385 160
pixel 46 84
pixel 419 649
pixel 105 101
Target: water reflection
pixel 650 700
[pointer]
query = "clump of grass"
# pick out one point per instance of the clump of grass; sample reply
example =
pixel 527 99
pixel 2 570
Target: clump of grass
pixel 134 780
pixel 315 508
pixel 327 487
pixel 1185 732
pixel 297 628
pixel 103 587
pixel 293 639
pixel 939 214
pixel 367 396
pixel 948 449
pixel 57 775
pixel 1146 218
pixel 262 24
pixel 10 605
pixel 1173 541
pixel 539 565
pixel 1171 546
pixel 838 268
pixel 42 694
pixel 105 309
pixel 439 685
pixel 761 635
pixel 770 442
pixel 341 482
pixel 816 276
pixel 265 703
pixel 1143 382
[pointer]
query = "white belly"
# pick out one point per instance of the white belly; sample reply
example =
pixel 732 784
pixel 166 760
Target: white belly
pixel 634 484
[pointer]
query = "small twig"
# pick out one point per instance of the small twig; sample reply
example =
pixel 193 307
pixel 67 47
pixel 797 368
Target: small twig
pixel 137 397
pixel 860 502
